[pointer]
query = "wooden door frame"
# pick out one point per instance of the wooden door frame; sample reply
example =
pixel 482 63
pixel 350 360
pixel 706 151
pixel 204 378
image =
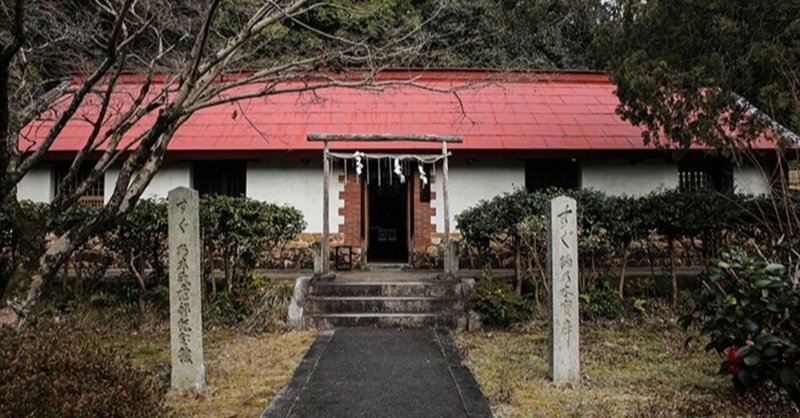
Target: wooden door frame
pixel 365 221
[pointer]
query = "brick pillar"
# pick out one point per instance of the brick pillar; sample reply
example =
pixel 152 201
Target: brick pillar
pixel 423 214
pixel 351 229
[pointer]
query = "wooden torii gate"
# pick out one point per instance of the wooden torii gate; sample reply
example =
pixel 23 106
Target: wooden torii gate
pixel 326 168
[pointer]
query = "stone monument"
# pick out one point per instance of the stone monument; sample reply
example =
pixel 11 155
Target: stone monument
pixel 562 259
pixel 185 311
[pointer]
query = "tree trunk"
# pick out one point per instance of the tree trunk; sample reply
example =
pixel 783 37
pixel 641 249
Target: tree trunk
pixel 671 249
pixel 65 279
pixel 518 265
pixel 38 265
pixel 78 267
pixel 529 270
pixel 228 273
pixel 210 252
pixel 213 280
pixel 651 258
pixel 138 271
pixel 623 269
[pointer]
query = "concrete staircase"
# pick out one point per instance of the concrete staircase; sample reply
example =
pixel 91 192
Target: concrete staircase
pixel 386 303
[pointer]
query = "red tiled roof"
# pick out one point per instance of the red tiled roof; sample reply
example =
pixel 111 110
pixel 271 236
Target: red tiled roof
pixel 561 111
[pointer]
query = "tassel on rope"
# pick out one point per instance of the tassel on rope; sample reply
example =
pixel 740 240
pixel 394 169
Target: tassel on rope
pixel 359 165
pixel 422 175
pixel 399 171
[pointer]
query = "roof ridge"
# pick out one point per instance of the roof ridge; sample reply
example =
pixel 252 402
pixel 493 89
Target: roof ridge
pixel 426 75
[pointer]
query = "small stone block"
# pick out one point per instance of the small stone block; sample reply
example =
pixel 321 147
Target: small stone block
pixel 297 304
pixel 318 266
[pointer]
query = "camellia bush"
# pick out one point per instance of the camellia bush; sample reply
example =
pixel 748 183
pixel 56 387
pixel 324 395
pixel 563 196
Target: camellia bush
pixel 750 311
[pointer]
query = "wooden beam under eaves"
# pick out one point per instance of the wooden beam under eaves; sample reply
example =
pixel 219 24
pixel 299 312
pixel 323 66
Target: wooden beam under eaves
pixel 318 137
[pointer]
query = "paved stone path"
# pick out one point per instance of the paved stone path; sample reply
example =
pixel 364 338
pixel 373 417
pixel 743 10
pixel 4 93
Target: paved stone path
pixel 360 372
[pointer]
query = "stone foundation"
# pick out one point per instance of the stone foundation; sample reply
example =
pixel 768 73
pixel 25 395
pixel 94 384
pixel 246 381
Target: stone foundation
pixel 298 254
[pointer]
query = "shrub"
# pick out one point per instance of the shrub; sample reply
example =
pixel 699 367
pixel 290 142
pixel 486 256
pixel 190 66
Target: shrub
pixel 140 241
pixel 750 311
pixel 257 303
pixel 497 304
pixel 271 307
pixel 607 225
pixel 601 302
pixel 239 230
pixel 50 372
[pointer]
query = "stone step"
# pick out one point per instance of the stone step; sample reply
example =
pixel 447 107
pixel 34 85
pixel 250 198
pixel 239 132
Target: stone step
pixel 394 267
pixel 435 289
pixel 404 320
pixel 382 304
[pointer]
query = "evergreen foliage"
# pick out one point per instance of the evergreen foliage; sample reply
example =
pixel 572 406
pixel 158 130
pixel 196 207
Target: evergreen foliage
pixel 683 66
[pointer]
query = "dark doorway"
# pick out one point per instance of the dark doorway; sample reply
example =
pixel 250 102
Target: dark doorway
pixel 387 216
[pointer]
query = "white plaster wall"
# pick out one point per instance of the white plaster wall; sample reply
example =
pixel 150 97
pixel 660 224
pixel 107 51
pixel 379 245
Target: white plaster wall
pixel 750 180
pixel 38 185
pixel 297 184
pixel 168 177
pixel 473 182
pixel 625 177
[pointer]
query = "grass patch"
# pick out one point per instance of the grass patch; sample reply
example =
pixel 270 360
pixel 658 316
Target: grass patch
pixel 249 355
pixel 243 372
pixel 628 370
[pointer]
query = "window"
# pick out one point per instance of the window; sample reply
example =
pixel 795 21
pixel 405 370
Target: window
pixel 94 195
pixel 794 176
pixel 544 174
pixel 220 177
pixel 713 175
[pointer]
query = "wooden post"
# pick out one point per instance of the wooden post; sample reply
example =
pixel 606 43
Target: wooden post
pixel 445 185
pixel 326 177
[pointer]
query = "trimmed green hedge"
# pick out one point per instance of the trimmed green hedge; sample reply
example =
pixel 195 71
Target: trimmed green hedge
pixel 236 232
pixel 701 221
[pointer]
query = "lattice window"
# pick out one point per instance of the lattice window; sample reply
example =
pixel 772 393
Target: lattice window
pixel 705 175
pixel 794 176
pixel 544 174
pixel 94 195
pixel 228 178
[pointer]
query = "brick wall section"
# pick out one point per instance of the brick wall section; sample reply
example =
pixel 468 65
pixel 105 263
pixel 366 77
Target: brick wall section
pixel 351 228
pixel 423 213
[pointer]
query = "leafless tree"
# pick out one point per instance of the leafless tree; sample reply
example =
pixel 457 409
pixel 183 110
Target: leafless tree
pixel 112 37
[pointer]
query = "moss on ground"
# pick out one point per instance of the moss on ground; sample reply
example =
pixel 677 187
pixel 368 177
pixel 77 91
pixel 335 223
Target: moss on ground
pixel 628 370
